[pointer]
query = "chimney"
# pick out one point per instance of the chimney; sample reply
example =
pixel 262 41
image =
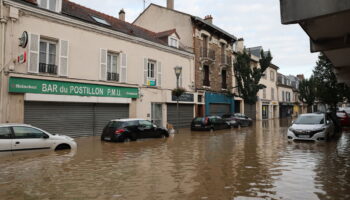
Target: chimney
pixel 122 15
pixel 240 45
pixel 208 18
pixel 170 4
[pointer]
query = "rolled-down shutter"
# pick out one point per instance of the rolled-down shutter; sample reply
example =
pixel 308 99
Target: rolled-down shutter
pixel 123 68
pixel 159 74
pixel 33 58
pixel 145 74
pixel 63 61
pixel 103 64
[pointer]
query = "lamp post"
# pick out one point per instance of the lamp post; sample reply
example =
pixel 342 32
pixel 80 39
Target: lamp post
pixel 178 71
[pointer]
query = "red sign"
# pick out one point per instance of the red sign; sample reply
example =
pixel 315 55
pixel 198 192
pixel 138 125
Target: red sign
pixel 22 58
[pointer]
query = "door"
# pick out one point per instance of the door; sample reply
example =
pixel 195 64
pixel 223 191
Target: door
pixel 146 129
pixel 103 113
pixel 186 112
pixel 157 114
pixel 27 138
pixel 265 112
pixel 5 139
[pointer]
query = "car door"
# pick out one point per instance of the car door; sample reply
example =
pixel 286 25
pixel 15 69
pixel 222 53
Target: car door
pixel 146 129
pixel 5 139
pixel 222 123
pixel 28 138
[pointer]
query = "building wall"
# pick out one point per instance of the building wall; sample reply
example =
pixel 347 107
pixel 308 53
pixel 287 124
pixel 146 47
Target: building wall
pixel 285 89
pixel 165 20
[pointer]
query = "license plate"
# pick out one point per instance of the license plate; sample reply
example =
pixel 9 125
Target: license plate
pixel 108 138
pixel 304 136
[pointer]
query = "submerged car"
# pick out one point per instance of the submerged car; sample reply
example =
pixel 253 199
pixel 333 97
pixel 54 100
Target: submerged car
pixel 22 137
pixel 344 118
pixel 209 123
pixel 122 130
pixel 313 127
pixel 239 118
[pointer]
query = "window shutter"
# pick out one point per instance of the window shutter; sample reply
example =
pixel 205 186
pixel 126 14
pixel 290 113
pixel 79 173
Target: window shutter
pixel 159 74
pixel 33 58
pixel 145 74
pixel 103 64
pixel 63 60
pixel 123 68
pixel 180 79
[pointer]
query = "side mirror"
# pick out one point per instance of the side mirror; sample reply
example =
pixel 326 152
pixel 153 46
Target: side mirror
pixel 46 136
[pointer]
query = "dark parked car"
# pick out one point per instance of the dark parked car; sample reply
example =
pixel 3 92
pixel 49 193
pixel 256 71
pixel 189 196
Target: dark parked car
pixel 208 123
pixel 241 119
pixel 343 118
pixel 122 130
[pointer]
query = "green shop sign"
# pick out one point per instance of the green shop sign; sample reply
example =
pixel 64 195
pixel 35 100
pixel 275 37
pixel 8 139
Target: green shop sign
pixel 24 85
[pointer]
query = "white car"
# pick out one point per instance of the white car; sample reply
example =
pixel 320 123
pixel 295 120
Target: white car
pixel 314 127
pixel 21 137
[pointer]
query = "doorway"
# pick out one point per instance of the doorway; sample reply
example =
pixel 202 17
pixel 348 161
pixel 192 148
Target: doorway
pixel 157 114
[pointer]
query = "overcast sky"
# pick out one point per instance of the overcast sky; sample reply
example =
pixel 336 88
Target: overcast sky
pixel 257 21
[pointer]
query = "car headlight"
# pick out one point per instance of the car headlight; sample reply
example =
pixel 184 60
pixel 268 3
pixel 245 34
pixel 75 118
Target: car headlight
pixel 291 130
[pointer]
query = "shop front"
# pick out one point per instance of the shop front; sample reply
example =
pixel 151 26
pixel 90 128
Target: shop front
pixel 71 108
pixel 181 117
pixel 218 104
pixel 286 109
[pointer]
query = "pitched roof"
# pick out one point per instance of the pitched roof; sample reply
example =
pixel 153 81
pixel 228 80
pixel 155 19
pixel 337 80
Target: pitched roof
pixel 82 13
pixel 167 33
pixel 195 18
pixel 255 50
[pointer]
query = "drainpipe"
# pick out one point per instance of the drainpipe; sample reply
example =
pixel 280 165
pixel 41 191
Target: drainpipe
pixel 2 59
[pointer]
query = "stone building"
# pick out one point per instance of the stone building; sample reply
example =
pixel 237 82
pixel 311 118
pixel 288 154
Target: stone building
pixel 213 49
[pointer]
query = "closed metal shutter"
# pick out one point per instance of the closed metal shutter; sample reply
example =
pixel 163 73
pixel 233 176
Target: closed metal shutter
pixel 219 109
pixel 185 115
pixel 106 112
pixel 73 119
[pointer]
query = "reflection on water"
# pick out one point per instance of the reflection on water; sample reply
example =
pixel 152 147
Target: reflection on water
pixel 255 163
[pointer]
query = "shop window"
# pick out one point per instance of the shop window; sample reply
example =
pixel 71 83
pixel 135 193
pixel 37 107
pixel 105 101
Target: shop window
pixel 48 57
pixel 112 67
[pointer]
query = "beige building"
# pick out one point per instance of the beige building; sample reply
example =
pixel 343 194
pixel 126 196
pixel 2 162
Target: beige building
pixel 267 106
pixel 213 49
pixel 286 96
pixel 75 68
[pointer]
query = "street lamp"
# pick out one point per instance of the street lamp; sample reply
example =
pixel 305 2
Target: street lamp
pixel 178 71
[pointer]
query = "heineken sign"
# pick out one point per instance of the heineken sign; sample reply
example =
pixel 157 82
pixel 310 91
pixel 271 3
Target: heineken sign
pixel 25 85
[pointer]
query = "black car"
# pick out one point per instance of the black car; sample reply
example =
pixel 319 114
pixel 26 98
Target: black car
pixel 122 130
pixel 241 119
pixel 208 123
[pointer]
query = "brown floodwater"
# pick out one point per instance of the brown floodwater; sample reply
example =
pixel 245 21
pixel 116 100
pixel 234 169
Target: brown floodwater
pixel 246 163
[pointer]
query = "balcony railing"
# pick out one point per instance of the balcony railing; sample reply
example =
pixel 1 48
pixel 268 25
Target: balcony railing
pixel 226 60
pixel 112 76
pixel 47 68
pixel 207 53
pixel 206 82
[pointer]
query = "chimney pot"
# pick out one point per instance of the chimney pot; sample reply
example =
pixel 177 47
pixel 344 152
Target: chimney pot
pixel 170 4
pixel 209 19
pixel 122 15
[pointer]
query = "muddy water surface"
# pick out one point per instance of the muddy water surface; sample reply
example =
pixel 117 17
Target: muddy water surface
pixel 247 163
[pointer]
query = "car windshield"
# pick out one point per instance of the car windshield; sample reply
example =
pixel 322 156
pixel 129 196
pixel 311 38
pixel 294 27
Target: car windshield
pixel 310 119
pixel 341 114
pixel 198 119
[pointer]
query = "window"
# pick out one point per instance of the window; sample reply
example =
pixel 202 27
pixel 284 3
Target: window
pixel 49 4
pixel 272 93
pixel 200 98
pixel 272 76
pixel 264 93
pixel 151 69
pixel 27 133
pixel 112 67
pixel 5 133
pixel 48 57
pixel 223 78
pixel 173 42
pixel 146 124
pixel 206 81
pixel 101 21
pixel 283 96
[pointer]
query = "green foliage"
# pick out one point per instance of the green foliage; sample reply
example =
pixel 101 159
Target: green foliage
pixel 178 92
pixel 307 91
pixel 248 77
pixel 328 91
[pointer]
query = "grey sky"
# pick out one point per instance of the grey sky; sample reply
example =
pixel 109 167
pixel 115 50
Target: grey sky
pixel 257 21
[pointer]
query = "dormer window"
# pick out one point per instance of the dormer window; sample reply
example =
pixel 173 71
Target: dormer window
pixel 173 42
pixel 53 5
pixel 101 21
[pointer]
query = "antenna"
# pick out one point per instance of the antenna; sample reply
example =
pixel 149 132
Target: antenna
pixel 144 4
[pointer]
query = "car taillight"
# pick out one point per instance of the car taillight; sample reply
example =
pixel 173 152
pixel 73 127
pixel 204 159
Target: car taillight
pixel 119 131
pixel 206 120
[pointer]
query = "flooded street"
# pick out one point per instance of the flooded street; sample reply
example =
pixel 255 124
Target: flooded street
pixel 246 163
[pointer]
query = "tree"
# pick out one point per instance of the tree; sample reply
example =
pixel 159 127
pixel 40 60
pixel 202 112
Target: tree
pixel 307 92
pixel 329 91
pixel 248 78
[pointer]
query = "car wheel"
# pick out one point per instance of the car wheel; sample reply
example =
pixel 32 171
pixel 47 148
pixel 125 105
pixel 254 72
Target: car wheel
pixel 212 129
pixel 128 139
pixel 62 147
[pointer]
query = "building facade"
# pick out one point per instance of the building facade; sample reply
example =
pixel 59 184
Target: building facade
pixel 75 69
pixel 213 49
pixel 286 96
